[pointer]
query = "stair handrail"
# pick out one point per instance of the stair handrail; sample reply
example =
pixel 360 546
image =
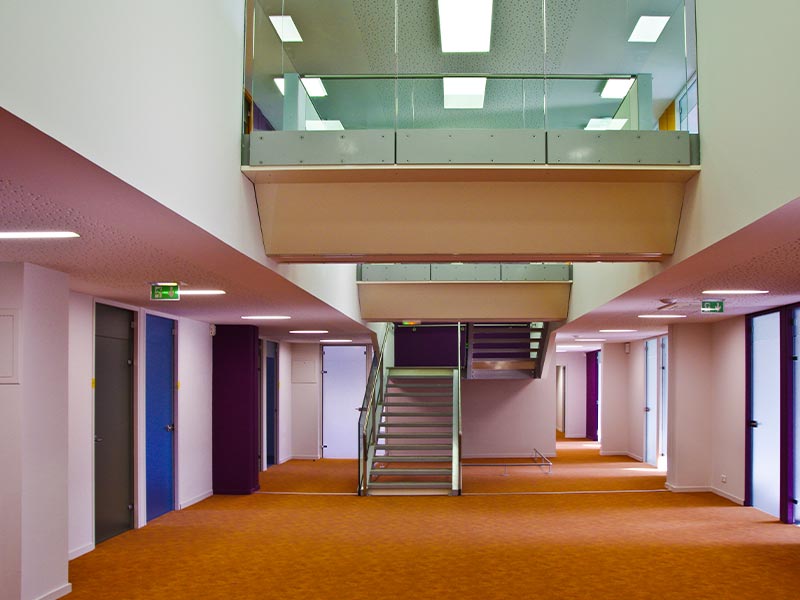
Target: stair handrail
pixel 367 423
pixel 456 469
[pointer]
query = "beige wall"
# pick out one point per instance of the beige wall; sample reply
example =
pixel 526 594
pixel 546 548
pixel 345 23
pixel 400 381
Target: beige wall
pixel 306 385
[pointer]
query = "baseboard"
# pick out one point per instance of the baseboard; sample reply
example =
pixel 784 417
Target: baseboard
pixel 613 453
pixel 503 455
pixel 59 592
pixel 305 457
pixel 687 488
pixel 80 551
pixel 635 457
pixel 195 500
pixel 727 496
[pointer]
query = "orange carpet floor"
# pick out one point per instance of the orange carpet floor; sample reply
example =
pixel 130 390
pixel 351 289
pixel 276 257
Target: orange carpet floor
pixel 591 545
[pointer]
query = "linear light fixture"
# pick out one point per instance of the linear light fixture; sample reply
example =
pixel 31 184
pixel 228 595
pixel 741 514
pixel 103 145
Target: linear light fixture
pixel 605 124
pixel 734 292
pixel 464 92
pixel 314 87
pixel 648 29
pixel 465 25
pixel 36 235
pixel 568 347
pixel 266 317
pixel 302 331
pixel 617 330
pixel 315 125
pixel 617 88
pixel 280 85
pixel 590 339
pixel 202 292
pixel 285 28
pixel 336 341
pixel 662 316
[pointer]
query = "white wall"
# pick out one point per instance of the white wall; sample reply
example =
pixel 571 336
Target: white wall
pixel 691 377
pixel 636 400
pixel 81 424
pixel 333 284
pixel 509 417
pixel 614 404
pixel 575 392
pixel 151 91
pixel 284 402
pixel 728 408
pixel 193 415
pixel 33 428
pixel 306 384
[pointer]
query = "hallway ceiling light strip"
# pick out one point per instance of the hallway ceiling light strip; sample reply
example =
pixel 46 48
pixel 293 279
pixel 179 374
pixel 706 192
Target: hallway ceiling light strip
pixel 37 235
pixel 285 28
pixel 266 317
pixel 590 339
pixel 648 29
pixel 302 331
pixel 314 87
pixel 617 330
pixel 464 92
pixel 336 341
pixel 734 292
pixel 202 292
pixel 319 125
pixel 605 124
pixel 617 88
pixel 662 316
pixel 465 25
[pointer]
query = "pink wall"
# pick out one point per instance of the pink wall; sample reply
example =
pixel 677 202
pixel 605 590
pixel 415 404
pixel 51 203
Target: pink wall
pixel 728 408
pixel 691 377
pixel 614 403
pixel 511 417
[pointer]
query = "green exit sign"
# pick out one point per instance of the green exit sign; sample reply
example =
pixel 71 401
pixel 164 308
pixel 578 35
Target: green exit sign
pixel 165 292
pixel 712 306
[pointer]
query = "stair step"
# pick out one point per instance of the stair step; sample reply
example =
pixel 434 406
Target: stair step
pixel 414 447
pixel 408 484
pixel 442 424
pixel 476 342
pixel 412 459
pixel 387 413
pixel 398 472
pixel 417 404
pixel 421 385
pixel 445 435
pixel 417 395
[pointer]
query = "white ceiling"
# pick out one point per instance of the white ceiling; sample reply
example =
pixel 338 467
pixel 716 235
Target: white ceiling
pixel 129 240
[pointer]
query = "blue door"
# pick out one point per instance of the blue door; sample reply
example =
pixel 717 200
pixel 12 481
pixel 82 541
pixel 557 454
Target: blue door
pixel 159 385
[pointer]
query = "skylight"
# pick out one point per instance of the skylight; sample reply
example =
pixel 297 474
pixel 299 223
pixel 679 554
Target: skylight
pixel 648 29
pixel 464 92
pixel 285 28
pixel 465 25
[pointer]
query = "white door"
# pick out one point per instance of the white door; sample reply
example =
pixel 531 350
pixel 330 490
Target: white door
pixel 651 402
pixel 766 404
pixel 344 380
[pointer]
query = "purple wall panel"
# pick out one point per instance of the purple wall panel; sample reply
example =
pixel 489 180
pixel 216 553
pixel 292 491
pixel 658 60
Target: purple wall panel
pixel 592 392
pixel 235 410
pixel 428 347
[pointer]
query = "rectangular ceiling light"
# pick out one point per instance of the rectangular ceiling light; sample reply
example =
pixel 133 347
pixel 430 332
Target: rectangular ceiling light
pixel 36 235
pixel 285 28
pixel 605 124
pixel 314 87
pixel 324 126
pixel 464 92
pixel 281 85
pixel 465 25
pixel 648 29
pixel 617 88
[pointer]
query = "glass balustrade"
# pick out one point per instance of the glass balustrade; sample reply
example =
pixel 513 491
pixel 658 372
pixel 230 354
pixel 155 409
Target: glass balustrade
pixel 468 65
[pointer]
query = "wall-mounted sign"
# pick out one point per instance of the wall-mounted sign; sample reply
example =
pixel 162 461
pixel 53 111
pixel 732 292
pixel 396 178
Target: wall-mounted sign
pixel 712 306
pixel 165 292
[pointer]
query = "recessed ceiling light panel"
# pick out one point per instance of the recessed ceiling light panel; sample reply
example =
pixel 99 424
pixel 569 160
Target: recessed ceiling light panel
pixel 36 235
pixel 285 28
pixel 330 125
pixel 605 124
pixel 617 330
pixel 662 316
pixel 336 341
pixel 266 317
pixel 202 292
pixel 465 25
pixel 314 87
pixel 648 29
pixel 302 331
pixel 280 84
pixel 734 292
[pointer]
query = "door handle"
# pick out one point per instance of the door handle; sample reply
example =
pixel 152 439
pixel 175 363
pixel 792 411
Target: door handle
pixel 97 438
pixel 170 427
pixel 753 423
pixel 646 409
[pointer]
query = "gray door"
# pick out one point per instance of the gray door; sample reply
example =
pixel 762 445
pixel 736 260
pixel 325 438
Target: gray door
pixel 113 422
pixel 344 381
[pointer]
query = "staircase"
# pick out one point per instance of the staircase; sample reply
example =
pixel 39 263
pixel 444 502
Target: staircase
pixel 506 351
pixel 416 449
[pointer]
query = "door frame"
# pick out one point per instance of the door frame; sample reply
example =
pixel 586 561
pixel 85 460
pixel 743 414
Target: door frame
pixel 788 443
